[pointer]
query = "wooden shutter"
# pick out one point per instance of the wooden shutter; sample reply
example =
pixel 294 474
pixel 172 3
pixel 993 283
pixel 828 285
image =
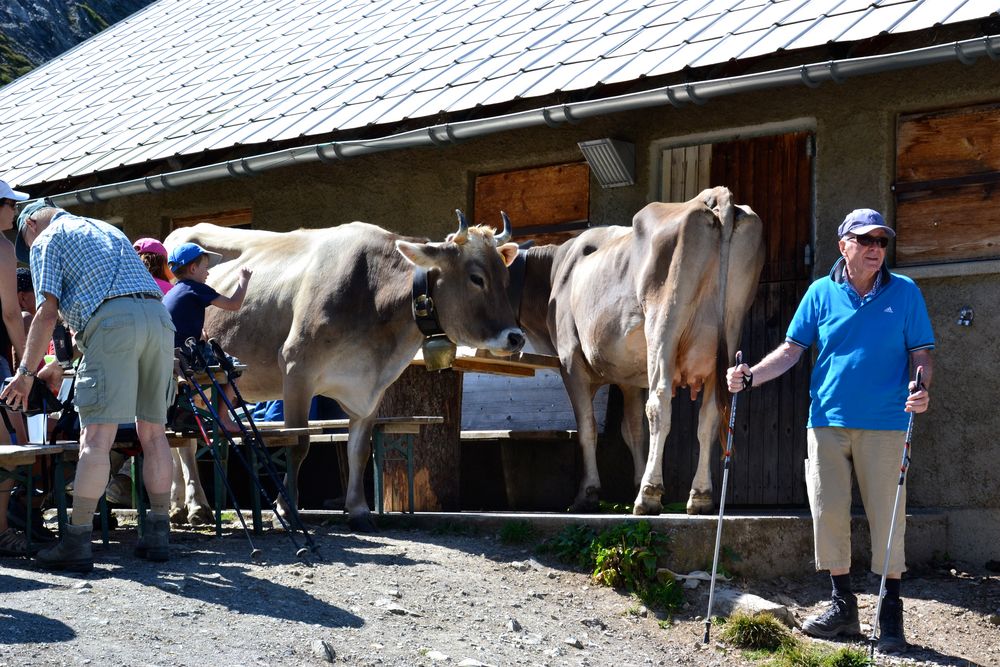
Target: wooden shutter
pixel 947 172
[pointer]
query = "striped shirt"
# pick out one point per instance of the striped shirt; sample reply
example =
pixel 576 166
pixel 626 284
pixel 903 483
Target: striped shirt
pixel 83 262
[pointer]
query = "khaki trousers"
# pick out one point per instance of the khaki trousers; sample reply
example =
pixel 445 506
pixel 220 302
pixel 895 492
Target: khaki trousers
pixel 875 457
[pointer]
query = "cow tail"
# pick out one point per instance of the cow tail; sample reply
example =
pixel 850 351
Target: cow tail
pixel 724 212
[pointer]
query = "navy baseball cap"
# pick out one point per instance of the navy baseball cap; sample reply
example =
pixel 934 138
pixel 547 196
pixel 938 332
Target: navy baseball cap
pixel 186 253
pixel 863 220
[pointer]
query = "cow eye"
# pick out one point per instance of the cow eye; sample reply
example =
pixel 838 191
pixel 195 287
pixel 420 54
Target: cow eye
pixel 477 280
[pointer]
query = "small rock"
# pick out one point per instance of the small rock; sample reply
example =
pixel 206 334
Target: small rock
pixel 574 642
pixel 995 619
pixel 472 662
pixel 593 623
pixel 399 610
pixel 82 584
pixel 513 625
pixel 643 611
pixel 437 656
pixel 322 650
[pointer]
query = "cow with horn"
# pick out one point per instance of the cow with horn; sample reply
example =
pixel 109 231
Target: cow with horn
pixel 651 308
pixel 331 312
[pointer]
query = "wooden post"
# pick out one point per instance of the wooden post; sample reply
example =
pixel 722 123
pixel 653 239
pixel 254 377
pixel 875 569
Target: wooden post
pixel 437 449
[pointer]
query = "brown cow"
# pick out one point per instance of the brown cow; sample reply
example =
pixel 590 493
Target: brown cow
pixel 329 312
pixel 654 306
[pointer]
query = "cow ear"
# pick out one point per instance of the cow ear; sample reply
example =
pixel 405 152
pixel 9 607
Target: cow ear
pixel 508 252
pixel 424 255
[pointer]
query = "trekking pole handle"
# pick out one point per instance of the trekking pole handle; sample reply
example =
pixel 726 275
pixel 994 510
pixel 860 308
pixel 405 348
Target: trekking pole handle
pixel 917 382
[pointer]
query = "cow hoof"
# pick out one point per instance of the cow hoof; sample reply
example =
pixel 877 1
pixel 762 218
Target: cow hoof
pixel 362 523
pixel 700 503
pixel 589 504
pixel 178 516
pixel 201 517
pixel 649 501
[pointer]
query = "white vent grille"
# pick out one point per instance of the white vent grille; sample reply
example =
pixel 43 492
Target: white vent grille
pixel 612 161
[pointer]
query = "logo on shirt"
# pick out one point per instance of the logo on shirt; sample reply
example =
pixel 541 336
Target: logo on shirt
pixel 888 309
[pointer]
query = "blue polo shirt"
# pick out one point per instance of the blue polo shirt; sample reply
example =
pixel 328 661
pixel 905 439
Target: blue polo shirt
pixel 863 363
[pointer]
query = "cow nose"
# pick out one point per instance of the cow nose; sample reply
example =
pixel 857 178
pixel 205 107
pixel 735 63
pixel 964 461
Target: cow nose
pixel 515 341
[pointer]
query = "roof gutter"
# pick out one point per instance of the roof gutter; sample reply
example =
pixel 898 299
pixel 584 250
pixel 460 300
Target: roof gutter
pixel 811 75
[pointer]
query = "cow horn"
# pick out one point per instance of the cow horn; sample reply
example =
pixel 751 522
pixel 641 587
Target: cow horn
pixel 462 235
pixel 507 231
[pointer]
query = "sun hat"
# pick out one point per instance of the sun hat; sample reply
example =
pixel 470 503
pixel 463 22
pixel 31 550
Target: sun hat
pixel 7 193
pixel 863 220
pixel 20 247
pixel 186 253
pixel 150 245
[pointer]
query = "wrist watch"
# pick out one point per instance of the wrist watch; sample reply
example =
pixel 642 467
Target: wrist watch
pixel 23 370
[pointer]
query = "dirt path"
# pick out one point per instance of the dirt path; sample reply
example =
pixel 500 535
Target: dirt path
pixel 405 597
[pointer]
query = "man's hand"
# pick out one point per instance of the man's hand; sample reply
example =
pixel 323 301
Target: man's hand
pixel 735 377
pixel 919 399
pixel 16 393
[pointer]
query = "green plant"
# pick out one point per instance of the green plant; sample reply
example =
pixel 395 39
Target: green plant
pixel 453 528
pixel 760 632
pixel 797 654
pixel 847 657
pixel 517 532
pixel 626 557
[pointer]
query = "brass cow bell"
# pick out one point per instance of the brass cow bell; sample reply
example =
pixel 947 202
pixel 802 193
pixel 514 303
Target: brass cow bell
pixel 439 352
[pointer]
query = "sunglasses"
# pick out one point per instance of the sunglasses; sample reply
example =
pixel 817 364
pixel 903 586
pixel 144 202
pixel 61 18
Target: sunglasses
pixel 869 241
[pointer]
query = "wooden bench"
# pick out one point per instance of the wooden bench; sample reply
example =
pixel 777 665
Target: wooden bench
pixel 17 462
pixel 518 435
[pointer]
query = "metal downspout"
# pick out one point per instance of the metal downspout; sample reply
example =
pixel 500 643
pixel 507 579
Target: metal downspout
pixel 811 75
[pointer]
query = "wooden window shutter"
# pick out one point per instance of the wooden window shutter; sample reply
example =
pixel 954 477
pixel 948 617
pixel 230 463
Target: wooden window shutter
pixel 547 204
pixel 947 171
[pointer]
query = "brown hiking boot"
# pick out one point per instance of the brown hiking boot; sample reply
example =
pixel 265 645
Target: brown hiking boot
pixel 72 553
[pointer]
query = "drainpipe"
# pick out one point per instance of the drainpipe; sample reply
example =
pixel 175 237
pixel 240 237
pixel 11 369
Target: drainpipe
pixel 811 75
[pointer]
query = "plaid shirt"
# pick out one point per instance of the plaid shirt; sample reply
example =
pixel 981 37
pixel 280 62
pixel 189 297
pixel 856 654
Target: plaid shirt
pixel 83 262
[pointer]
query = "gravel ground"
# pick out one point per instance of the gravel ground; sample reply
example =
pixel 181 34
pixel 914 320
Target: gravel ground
pixel 409 597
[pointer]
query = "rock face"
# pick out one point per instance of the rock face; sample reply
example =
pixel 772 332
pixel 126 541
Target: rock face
pixel 33 32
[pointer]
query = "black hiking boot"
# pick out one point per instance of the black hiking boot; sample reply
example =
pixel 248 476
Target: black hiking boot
pixel 72 553
pixel 890 627
pixel 154 545
pixel 840 619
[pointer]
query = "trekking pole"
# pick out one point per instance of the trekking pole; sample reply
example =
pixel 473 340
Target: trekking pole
pixel 300 552
pixel 722 507
pixel 255 553
pixel 903 467
pixel 258 442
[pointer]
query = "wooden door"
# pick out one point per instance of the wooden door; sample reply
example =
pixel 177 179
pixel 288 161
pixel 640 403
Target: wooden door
pixel 773 175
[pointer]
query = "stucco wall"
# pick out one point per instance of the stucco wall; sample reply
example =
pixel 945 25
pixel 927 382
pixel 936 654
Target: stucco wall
pixel 415 191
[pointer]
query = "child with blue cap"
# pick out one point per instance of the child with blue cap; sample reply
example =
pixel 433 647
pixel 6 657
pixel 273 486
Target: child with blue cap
pixel 190 296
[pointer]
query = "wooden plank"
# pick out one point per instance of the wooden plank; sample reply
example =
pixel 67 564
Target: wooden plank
pixel 948 144
pixel 691 185
pixel 537 196
pixel 948 226
pixel 473 436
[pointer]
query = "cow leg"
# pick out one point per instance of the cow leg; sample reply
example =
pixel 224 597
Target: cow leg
pixel 700 499
pixel 359 451
pixel 178 510
pixel 633 431
pixel 297 397
pixel 581 396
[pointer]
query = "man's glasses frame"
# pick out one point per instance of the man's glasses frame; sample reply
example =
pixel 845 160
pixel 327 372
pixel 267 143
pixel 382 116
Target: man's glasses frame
pixel 869 241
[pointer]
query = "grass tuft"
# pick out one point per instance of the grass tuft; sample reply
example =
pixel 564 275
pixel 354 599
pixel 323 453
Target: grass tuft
pixel 517 532
pixel 762 632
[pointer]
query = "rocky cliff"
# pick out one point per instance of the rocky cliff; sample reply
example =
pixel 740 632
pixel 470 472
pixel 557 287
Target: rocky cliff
pixel 35 31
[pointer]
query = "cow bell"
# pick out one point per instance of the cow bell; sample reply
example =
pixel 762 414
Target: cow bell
pixel 439 352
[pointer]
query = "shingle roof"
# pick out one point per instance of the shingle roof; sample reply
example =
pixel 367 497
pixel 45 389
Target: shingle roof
pixel 185 76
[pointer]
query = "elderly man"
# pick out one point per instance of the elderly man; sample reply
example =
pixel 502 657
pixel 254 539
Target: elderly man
pixel 87 271
pixel 870 326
